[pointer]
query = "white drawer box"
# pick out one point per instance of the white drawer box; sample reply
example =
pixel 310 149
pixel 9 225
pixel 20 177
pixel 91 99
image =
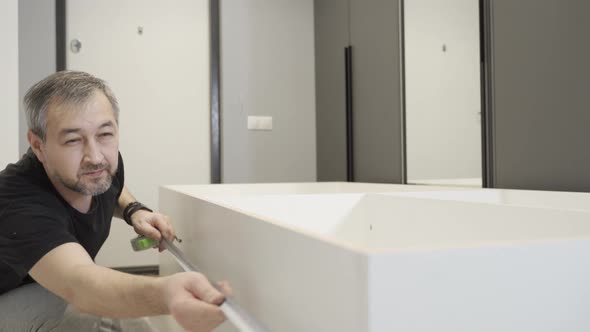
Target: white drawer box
pixel 313 259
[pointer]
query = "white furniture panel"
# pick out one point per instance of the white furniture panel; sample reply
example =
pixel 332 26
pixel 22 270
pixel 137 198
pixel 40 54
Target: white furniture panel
pixel 9 99
pixel 314 259
pixel 532 198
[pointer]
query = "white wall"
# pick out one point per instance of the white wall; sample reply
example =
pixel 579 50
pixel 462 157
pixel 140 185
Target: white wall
pixel 8 82
pixel 36 47
pixel 268 69
pixel 442 89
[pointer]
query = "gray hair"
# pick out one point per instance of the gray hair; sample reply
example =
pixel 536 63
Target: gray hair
pixel 63 87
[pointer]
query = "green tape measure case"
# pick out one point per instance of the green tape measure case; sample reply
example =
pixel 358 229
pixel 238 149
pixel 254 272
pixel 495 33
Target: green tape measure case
pixel 142 243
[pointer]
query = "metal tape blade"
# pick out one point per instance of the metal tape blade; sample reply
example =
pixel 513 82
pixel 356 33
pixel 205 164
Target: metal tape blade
pixel 234 313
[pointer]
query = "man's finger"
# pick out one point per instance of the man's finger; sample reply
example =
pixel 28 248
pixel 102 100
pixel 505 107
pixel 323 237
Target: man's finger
pixel 203 290
pixel 225 287
pixel 193 314
pixel 164 225
pixel 161 247
pixel 150 232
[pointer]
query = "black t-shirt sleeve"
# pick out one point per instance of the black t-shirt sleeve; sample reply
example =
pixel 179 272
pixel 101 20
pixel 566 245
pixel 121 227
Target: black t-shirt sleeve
pixel 29 234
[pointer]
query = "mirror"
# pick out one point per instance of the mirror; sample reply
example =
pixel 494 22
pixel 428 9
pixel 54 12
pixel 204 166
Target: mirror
pixel 442 82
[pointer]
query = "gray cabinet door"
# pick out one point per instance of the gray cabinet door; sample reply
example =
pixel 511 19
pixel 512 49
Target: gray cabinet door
pixel 377 104
pixel 539 91
pixel 331 37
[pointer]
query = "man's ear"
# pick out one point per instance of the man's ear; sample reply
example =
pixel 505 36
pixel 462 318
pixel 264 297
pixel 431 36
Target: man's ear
pixel 36 145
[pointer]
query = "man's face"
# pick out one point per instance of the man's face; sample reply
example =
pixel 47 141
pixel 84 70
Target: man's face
pixel 80 152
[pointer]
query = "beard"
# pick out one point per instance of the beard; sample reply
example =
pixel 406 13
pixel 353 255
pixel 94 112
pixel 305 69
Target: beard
pixel 93 186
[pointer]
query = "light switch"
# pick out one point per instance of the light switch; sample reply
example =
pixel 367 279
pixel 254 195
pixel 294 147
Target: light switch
pixel 259 122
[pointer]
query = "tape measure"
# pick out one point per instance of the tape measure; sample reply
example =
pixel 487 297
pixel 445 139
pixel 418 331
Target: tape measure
pixel 241 319
pixel 141 243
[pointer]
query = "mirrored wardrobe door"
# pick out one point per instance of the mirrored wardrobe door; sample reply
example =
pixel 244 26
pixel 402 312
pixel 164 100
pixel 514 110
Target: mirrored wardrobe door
pixel 442 89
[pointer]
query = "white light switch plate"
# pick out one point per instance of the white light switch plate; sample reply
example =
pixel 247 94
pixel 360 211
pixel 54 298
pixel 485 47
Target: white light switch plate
pixel 259 122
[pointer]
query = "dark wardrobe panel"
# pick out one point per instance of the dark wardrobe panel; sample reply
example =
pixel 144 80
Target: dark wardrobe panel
pixel 372 30
pixel 331 37
pixel 539 92
pixel 376 71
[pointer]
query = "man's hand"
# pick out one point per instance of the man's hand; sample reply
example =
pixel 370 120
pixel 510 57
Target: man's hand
pixel 69 272
pixel 153 225
pixel 193 302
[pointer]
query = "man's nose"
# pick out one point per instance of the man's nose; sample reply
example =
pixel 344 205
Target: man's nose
pixel 92 153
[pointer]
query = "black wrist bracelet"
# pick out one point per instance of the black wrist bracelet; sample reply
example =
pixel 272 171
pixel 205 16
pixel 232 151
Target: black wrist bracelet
pixel 131 208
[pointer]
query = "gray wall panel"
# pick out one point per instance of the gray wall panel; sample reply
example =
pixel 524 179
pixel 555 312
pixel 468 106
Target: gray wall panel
pixel 540 59
pixel 375 34
pixel 331 36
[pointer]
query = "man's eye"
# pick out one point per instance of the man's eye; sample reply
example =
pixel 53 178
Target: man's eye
pixel 73 141
pixel 106 134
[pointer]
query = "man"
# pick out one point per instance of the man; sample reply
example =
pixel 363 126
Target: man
pixel 56 206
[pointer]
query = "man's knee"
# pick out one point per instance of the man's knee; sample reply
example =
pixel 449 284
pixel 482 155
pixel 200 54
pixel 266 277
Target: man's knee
pixel 30 308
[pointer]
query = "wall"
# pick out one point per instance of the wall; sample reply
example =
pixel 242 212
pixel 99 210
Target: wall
pixel 267 68
pixel 443 124
pixel 8 82
pixel 36 47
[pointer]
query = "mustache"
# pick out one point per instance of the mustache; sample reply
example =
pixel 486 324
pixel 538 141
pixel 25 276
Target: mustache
pixel 88 168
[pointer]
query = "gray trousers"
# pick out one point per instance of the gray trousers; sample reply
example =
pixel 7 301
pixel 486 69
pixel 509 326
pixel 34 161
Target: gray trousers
pixel 33 308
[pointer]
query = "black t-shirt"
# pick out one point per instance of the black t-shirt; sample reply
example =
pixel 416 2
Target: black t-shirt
pixel 34 219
